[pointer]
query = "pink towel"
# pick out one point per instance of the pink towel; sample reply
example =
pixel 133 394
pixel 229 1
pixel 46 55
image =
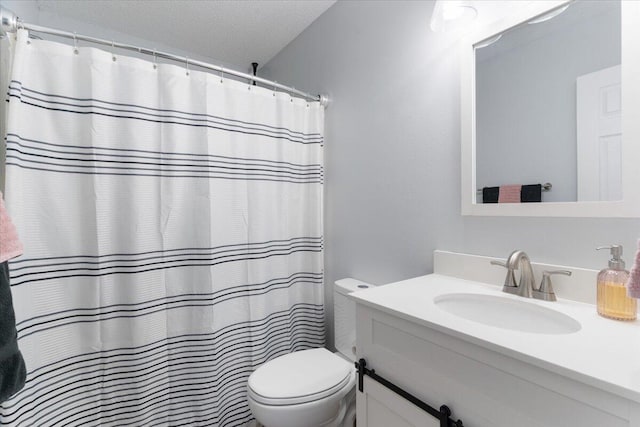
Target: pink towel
pixel 633 285
pixel 10 245
pixel 509 194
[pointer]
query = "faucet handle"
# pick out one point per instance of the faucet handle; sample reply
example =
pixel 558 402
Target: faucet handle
pixel 545 291
pixel 510 279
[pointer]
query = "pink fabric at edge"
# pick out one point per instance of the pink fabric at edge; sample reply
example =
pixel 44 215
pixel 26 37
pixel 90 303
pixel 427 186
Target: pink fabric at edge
pixel 509 194
pixel 10 245
pixel 633 285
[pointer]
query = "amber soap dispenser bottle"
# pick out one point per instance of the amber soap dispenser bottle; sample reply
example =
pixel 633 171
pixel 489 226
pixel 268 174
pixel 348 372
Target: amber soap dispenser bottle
pixel 613 301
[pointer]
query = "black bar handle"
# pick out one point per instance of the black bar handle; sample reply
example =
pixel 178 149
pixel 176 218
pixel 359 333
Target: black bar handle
pixel 443 414
pixel 361 365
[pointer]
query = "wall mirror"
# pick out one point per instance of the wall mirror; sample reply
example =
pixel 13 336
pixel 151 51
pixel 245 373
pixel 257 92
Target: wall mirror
pixel 550 103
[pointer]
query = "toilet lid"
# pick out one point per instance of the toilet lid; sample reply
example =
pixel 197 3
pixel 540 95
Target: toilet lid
pixel 299 377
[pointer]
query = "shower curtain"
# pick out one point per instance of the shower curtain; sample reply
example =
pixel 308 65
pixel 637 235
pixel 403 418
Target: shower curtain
pixel 172 225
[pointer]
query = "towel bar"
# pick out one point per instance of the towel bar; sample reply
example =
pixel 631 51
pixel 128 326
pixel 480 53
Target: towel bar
pixel 545 187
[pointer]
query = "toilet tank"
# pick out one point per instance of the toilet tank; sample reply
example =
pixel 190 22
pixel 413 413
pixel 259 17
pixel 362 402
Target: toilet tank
pixel 344 315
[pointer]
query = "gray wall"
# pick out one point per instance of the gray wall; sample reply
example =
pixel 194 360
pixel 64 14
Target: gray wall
pixel 392 152
pixel 526 96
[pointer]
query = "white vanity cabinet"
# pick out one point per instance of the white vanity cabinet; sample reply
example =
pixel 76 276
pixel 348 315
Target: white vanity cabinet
pixel 484 381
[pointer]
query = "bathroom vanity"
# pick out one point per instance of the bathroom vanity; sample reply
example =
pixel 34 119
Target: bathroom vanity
pixel 494 359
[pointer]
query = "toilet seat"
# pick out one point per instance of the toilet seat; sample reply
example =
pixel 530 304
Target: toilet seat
pixel 300 377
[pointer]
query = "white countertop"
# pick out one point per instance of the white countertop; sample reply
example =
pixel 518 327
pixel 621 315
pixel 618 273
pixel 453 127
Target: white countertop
pixel 603 353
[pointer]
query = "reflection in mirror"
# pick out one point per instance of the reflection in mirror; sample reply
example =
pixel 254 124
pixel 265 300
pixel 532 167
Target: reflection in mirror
pixel 548 107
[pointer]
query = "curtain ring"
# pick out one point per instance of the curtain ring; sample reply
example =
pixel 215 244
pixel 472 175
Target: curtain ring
pixel 113 56
pixel 221 74
pixel 155 60
pixel 186 58
pixel 20 26
pixel 75 43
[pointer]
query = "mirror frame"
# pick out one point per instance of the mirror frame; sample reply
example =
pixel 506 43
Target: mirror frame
pixel 629 206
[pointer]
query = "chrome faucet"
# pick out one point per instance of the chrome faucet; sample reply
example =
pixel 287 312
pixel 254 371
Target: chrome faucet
pixel 526 287
pixel 518 260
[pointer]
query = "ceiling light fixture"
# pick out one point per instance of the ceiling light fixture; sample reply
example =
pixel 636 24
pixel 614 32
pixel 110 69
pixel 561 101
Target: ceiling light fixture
pixel 449 15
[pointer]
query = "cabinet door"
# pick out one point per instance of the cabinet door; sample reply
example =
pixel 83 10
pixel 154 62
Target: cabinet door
pixel 377 406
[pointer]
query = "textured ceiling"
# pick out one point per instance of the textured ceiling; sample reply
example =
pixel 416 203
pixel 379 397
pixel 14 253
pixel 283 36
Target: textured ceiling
pixel 231 31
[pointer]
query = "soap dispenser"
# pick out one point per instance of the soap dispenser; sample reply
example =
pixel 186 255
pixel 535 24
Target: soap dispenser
pixel 613 301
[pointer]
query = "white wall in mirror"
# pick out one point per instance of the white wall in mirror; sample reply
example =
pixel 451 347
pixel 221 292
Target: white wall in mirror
pixel 562 203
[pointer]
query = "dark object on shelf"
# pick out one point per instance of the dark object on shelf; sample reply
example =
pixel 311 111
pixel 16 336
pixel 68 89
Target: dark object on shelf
pixel 531 193
pixel 490 194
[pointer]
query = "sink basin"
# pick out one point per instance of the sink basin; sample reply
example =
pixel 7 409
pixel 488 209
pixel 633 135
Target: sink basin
pixel 507 313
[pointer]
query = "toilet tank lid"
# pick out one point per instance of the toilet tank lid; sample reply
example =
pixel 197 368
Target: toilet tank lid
pixel 348 285
pixel 301 374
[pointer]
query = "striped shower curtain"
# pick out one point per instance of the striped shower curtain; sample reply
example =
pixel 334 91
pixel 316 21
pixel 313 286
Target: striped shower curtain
pixel 172 224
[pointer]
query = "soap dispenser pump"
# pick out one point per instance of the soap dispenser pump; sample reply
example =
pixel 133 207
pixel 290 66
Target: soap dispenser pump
pixel 613 301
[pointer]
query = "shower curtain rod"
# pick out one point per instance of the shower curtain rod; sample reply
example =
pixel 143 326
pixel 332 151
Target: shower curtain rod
pixel 10 23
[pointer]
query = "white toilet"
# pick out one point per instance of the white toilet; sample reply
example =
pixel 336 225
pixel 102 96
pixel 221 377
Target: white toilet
pixel 312 388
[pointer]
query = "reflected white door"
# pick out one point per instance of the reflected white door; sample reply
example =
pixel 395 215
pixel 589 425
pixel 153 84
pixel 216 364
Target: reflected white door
pixel 599 135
